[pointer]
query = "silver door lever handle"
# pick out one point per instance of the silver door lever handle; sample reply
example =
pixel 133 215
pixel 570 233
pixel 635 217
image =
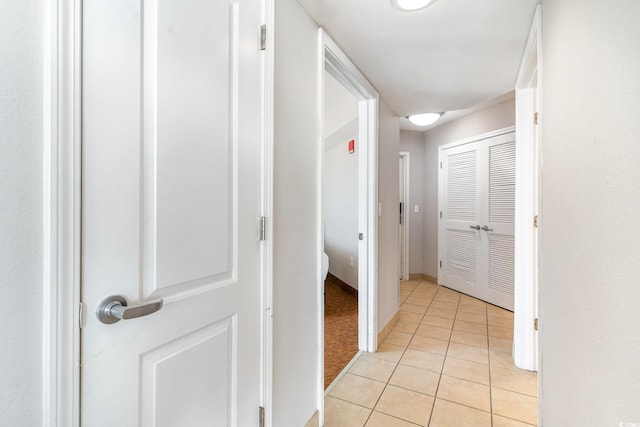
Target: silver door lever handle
pixel 475 227
pixel 115 308
pixel 485 228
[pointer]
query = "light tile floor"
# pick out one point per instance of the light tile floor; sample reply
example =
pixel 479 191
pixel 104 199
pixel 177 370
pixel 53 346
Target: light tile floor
pixel 447 362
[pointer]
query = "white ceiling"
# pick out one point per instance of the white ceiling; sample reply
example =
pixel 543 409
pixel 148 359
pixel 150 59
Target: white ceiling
pixel 452 55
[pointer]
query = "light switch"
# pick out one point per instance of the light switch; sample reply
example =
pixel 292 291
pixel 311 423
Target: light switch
pixel 379 208
pixel 416 208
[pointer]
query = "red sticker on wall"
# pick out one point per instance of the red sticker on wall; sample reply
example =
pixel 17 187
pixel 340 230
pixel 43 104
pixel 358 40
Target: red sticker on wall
pixel 352 146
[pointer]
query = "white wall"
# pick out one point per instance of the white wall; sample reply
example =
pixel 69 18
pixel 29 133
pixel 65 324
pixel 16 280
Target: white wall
pixel 340 203
pixel 413 143
pixel 590 297
pixel 340 105
pixel 388 185
pixel 296 345
pixel 21 212
pixel 494 117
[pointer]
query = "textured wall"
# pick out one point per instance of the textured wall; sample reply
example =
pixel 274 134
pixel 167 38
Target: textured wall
pixel 21 213
pixel 590 320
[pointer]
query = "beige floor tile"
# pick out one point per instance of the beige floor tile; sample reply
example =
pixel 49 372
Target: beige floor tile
pixel 468 352
pixel 338 413
pixel 468 300
pixel 472 327
pixel 406 316
pixel 444 305
pixel 515 405
pixel 469 339
pixel 472 317
pixel 398 338
pixel 418 300
pixel 474 309
pixel 500 321
pixel 447 314
pixel 413 308
pixel 423 360
pixel 314 421
pixel 437 321
pixel 447 298
pixel 465 393
pixel 499 421
pixel 378 419
pixel 390 352
pixel 500 344
pixel 373 368
pixel 449 414
pixel 515 379
pixel 433 332
pixel 500 359
pixel 494 311
pixel 431 345
pixel 498 332
pixel 408 285
pixel 425 292
pixel 466 370
pixel 415 379
pixel 405 404
pixel 358 390
pixel 405 327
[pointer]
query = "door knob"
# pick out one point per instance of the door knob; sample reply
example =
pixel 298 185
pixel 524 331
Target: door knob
pixel 115 308
pixel 485 228
pixel 475 227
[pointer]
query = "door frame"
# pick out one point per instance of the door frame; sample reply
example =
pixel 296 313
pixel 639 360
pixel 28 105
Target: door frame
pixel 338 65
pixel 63 312
pixel 526 352
pixel 405 157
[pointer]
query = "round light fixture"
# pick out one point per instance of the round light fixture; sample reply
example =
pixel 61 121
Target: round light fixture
pixel 424 119
pixel 411 5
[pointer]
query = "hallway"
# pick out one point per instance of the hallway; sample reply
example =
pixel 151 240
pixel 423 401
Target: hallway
pixel 446 362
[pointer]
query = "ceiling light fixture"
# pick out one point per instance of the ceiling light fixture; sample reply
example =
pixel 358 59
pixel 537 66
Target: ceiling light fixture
pixel 425 119
pixel 411 5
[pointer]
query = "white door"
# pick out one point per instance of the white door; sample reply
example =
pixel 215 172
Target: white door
pixel 171 210
pixel 476 229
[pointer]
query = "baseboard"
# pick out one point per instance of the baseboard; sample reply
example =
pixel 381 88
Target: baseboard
pixel 422 276
pixel 343 285
pixel 385 331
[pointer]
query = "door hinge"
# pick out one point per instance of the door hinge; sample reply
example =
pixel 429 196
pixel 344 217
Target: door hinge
pixel 81 315
pixel 440 165
pixel 535 118
pixel 535 221
pixel 263 228
pixel 440 264
pixel 261 415
pixel 535 324
pixel 440 214
pixel 263 37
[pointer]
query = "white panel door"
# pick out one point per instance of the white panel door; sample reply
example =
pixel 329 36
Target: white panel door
pixel 476 229
pixel 171 208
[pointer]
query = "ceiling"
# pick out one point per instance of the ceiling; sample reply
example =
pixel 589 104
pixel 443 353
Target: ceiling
pixel 452 55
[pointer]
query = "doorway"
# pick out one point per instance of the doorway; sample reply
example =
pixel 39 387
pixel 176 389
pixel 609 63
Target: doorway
pixel 338 66
pixel 403 220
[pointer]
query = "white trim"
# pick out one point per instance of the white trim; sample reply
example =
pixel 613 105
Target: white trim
pixel 404 268
pixel 268 112
pixel 62 214
pixel 525 342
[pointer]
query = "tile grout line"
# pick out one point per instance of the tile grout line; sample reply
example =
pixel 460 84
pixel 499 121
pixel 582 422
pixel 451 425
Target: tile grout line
pixel 489 359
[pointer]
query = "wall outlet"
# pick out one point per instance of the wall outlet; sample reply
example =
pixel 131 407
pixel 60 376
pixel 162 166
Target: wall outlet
pixel 416 208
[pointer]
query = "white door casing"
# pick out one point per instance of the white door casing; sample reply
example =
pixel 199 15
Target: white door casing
pixel 477 189
pixel 172 182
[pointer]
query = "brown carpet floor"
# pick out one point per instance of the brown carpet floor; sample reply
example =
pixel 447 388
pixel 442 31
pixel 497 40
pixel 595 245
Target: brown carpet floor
pixel 340 327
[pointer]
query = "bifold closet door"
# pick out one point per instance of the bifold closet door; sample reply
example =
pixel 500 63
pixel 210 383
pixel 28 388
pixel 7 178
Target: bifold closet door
pixel 477 218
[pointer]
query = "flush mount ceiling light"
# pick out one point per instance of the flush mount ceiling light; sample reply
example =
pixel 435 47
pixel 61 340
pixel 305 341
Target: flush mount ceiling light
pixel 411 5
pixel 424 119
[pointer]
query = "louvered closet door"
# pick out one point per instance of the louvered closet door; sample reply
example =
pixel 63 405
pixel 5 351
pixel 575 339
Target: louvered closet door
pixel 461 205
pixel 501 153
pixel 476 230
